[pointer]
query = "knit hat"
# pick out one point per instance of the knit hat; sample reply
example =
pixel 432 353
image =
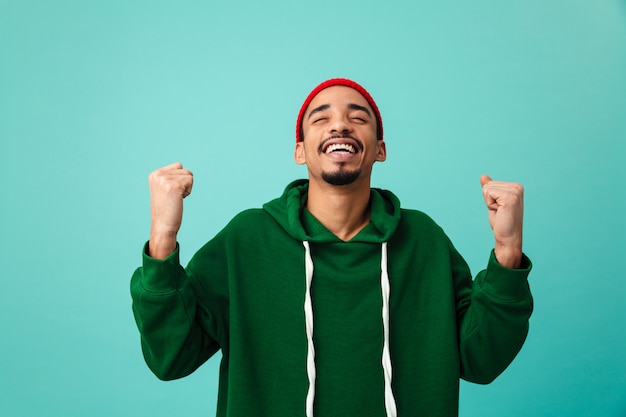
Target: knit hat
pixel 330 83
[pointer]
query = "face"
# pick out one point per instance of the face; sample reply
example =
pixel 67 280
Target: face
pixel 340 144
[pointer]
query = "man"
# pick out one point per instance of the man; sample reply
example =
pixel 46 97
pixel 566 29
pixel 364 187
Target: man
pixel 332 300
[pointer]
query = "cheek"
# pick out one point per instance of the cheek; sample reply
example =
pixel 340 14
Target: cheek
pixel 367 131
pixel 310 131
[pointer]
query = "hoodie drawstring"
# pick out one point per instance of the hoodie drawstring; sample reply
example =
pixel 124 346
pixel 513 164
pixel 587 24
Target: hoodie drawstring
pixel 308 318
pixel 390 402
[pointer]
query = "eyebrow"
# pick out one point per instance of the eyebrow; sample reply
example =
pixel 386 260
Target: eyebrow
pixel 351 106
pixel 318 109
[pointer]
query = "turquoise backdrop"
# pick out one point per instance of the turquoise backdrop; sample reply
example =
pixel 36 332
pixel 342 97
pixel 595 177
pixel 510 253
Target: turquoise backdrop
pixel 96 94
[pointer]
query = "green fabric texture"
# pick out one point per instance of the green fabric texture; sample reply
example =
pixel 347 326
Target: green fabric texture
pixel 243 293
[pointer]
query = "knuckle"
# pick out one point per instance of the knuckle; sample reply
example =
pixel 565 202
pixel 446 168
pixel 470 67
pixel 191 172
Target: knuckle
pixel 153 178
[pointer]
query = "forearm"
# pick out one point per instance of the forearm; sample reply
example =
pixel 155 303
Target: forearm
pixel 495 325
pixel 164 306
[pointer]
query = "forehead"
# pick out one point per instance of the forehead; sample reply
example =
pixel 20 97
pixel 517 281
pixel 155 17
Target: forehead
pixel 338 96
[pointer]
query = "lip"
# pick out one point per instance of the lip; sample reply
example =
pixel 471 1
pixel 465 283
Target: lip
pixel 339 141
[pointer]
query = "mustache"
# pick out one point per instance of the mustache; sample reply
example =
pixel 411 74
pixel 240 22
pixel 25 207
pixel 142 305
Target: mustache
pixel 322 145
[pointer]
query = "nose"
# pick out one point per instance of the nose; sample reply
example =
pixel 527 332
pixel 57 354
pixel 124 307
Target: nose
pixel 339 125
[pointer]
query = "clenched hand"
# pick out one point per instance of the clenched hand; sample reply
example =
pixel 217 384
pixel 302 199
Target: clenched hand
pixel 505 202
pixel 168 186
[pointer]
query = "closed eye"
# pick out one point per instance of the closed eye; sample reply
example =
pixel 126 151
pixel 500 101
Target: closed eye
pixel 360 118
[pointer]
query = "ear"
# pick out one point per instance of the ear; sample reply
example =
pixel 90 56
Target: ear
pixel 381 151
pixel 298 154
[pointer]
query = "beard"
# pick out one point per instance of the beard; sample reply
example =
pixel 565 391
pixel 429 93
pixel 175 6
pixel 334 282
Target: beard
pixel 341 176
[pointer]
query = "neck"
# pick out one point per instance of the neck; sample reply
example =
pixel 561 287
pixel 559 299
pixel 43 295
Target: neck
pixel 344 210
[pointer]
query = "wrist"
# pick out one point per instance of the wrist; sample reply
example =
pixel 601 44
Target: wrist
pixel 161 244
pixel 509 256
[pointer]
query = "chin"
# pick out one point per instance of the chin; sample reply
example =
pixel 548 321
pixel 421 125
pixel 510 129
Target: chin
pixel 341 177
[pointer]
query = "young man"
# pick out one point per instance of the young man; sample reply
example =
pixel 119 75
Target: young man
pixel 332 300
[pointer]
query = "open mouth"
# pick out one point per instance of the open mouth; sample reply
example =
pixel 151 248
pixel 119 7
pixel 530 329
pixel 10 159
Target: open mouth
pixel 340 145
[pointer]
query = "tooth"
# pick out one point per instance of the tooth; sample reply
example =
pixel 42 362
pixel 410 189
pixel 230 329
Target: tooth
pixel 346 147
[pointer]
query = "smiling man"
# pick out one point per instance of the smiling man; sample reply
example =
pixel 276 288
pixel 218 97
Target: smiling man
pixel 340 127
pixel 332 300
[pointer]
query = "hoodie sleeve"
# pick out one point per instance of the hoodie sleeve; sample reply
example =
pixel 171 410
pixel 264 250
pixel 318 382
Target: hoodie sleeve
pixel 175 337
pixel 494 311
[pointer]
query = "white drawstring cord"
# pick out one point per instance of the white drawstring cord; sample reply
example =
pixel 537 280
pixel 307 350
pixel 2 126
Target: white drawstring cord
pixel 390 402
pixel 308 318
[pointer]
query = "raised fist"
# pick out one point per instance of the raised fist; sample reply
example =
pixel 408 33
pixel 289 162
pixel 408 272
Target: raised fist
pixel 168 186
pixel 505 202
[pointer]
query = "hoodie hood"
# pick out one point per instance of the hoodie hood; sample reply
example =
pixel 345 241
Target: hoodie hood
pixel 290 212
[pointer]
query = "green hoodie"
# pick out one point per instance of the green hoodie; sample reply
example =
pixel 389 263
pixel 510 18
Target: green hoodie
pixel 378 336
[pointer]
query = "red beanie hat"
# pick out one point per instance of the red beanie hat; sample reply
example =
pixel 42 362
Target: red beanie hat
pixel 346 83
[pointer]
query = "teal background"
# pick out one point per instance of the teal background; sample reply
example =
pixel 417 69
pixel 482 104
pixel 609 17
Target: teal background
pixel 95 95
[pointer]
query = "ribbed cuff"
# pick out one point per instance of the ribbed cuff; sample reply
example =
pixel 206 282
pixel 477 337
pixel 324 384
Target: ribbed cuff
pixel 161 275
pixel 506 283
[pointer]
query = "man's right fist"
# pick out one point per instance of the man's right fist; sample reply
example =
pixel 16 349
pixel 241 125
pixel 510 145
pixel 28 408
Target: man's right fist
pixel 168 186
